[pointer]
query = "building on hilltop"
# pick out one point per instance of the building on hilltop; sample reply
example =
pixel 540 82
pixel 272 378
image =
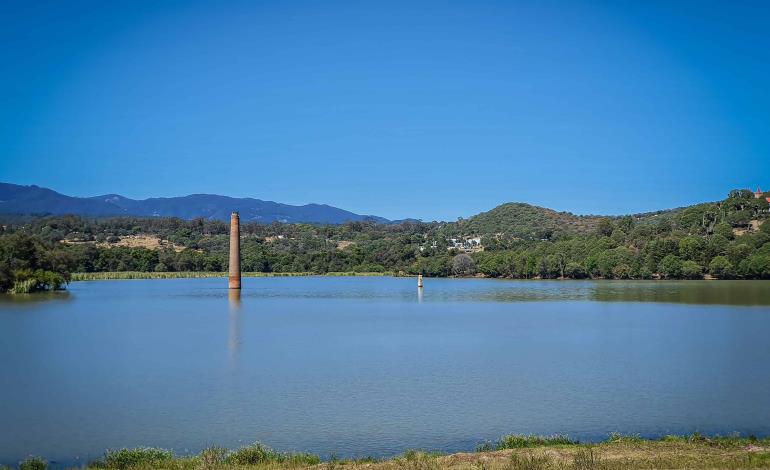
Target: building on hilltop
pixel 758 194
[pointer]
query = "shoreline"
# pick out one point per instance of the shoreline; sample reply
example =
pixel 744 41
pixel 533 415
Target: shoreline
pixel 128 275
pixel 511 452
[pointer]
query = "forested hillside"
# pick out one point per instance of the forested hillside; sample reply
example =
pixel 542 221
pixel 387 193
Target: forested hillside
pixel 526 221
pixel 726 239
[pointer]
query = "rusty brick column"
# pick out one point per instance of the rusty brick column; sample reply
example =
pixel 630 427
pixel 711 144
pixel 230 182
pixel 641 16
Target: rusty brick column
pixel 234 281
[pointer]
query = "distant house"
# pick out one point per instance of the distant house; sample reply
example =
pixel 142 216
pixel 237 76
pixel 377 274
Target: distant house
pixel 468 245
pixel 758 194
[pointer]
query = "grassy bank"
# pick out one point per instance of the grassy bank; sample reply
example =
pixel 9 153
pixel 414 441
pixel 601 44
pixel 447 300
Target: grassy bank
pixel 101 276
pixel 513 452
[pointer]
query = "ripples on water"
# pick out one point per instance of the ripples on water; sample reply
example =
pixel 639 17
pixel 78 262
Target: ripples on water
pixel 372 366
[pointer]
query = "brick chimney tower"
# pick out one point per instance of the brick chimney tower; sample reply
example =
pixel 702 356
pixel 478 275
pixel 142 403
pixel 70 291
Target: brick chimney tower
pixel 234 281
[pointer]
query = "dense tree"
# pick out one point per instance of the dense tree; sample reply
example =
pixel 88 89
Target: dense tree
pixel 671 267
pixel 720 267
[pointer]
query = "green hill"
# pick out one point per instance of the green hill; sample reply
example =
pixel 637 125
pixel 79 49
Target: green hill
pixel 526 221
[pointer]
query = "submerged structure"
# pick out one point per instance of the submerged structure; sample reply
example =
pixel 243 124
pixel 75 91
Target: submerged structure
pixel 234 279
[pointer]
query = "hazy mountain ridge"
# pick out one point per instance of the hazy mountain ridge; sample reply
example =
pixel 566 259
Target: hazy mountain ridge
pixel 18 199
pixel 515 219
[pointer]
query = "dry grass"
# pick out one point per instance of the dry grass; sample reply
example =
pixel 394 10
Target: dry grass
pixel 149 242
pixel 617 453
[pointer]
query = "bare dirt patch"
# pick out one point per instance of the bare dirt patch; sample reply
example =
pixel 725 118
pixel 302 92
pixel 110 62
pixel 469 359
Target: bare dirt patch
pixel 342 244
pixel 149 242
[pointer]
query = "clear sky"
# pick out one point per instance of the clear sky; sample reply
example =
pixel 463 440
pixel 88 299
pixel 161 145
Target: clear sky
pixel 401 109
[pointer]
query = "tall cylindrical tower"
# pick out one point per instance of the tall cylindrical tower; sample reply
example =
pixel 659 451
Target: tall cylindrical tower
pixel 234 281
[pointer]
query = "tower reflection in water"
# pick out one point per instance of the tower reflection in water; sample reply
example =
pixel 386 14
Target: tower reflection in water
pixel 419 295
pixel 234 337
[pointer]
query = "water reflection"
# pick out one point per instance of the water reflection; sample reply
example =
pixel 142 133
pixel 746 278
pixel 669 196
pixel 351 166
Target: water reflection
pixel 234 337
pixel 19 300
pixel 419 295
pixel 686 292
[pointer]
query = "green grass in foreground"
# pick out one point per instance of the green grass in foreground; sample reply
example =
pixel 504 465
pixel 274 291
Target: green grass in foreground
pixel 512 452
pixel 101 276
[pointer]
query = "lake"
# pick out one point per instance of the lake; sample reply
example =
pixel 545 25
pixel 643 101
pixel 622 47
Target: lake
pixel 361 366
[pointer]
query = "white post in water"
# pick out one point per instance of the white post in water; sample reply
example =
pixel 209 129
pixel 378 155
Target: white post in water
pixel 419 280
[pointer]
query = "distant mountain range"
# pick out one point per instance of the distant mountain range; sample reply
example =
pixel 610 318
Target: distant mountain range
pixel 18 199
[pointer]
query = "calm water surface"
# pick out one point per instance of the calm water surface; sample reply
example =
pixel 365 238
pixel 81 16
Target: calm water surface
pixel 369 366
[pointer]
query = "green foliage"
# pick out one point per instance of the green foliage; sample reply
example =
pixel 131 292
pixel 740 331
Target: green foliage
pixel 258 453
pixel 575 270
pixel 720 267
pixel 521 441
pixel 28 264
pixel 671 267
pixel 616 437
pixel 33 463
pixel 252 455
pixel 724 230
pixel 692 270
pixel 127 458
pixel 519 241
pixel 605 227
pixel 27 281
pixel 212 456
pixel 527 222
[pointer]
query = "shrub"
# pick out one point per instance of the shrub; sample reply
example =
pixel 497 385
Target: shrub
pixel 724 230
pixel 643 273
pixel 575 270
pixel 27 281
pixel 621 271
pixel 127 458
pixel 618 437
pixel 251 455
pixel 692 270
pixel 520 441
pixel 721 267
pixel 212 456
pixel 486 446
pixel 418 460
pixel 258 453
pixel 33 463
pixel 671 267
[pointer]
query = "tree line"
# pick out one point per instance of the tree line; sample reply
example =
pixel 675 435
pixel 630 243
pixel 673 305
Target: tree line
pixel 726 240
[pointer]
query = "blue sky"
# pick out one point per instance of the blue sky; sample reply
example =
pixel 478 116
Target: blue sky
pixel 418 109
